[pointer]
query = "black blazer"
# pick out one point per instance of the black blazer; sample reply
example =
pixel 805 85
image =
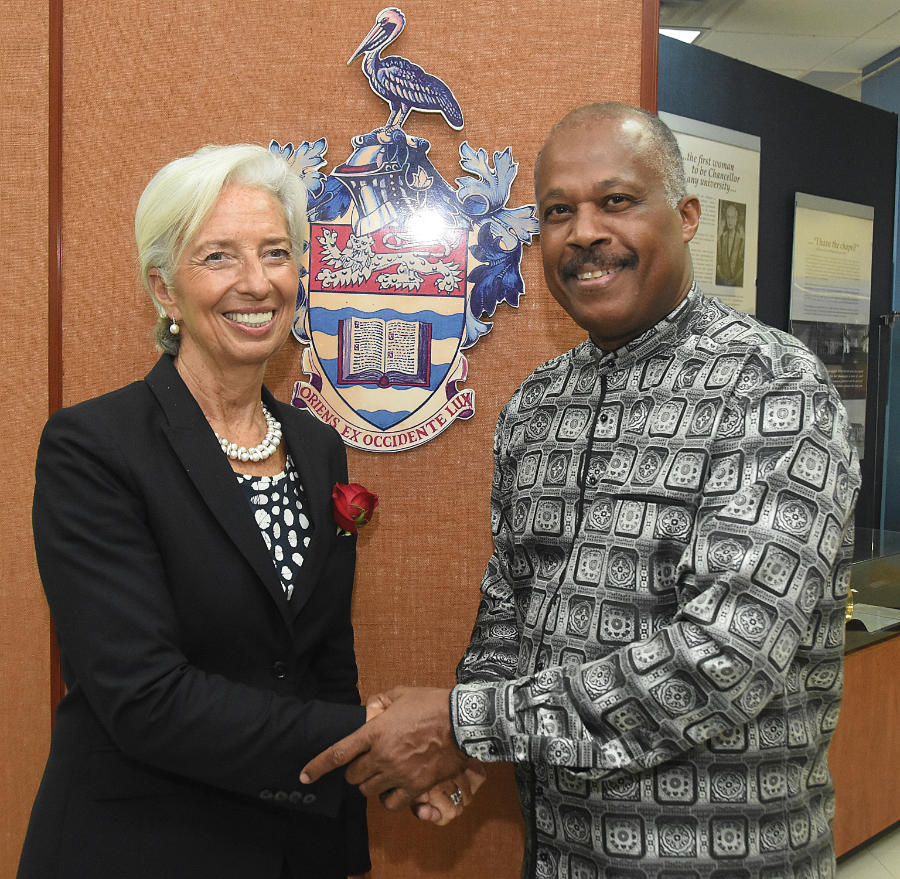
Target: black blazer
pixel 196 691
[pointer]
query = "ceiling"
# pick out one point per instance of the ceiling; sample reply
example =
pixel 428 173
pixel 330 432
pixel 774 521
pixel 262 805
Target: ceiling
pixel 826 43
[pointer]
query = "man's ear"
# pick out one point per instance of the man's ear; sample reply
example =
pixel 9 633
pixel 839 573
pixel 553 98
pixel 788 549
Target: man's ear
pixel 689 211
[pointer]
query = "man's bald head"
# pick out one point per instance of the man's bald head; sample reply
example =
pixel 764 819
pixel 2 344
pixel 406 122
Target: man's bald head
pixel 649 132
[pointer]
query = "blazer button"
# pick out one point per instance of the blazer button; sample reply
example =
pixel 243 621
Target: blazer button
pixel 281 796
pixel 295 797
pixel 266 794
pixel 279 669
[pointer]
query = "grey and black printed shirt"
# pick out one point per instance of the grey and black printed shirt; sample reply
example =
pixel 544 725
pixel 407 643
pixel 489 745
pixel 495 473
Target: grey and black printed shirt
pixel 659 642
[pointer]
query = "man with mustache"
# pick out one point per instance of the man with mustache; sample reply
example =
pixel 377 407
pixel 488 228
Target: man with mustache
pixel 658 647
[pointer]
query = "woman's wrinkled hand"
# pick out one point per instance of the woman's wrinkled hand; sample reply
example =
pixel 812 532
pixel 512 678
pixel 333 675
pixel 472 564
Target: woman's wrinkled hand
pixel 375 705
pixel 436 804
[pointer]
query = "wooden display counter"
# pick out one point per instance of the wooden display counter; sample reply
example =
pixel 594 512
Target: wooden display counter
pixel 865 751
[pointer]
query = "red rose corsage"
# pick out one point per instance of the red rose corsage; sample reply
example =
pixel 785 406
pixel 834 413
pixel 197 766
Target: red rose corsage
pixel 353 507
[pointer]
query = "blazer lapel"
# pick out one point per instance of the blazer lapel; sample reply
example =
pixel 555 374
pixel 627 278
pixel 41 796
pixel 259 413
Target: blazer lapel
pixel 194 441
pixel 314 478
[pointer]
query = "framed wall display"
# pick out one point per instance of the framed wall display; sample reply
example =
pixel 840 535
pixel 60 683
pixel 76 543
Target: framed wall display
pixel 722 168
pixel 831 291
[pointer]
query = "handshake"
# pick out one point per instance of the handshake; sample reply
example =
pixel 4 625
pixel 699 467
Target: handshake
pixel 405 754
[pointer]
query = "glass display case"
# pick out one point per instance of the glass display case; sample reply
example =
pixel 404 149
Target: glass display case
pixel 875 582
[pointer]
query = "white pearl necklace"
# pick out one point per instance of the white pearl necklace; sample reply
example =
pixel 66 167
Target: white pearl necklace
pixel 264 450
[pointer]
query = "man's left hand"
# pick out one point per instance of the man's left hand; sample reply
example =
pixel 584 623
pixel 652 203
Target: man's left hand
pixel 401 753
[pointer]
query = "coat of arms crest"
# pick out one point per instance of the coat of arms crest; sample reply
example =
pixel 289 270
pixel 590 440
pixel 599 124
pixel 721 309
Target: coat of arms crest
pixel 402 270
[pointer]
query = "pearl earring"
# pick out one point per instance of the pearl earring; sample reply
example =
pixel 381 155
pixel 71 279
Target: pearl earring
pixel 174 329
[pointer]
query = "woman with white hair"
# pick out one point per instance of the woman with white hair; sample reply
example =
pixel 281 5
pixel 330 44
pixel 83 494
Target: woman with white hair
pixel 200 589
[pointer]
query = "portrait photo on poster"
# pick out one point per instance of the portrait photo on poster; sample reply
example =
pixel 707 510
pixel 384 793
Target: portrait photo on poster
pixel 731 243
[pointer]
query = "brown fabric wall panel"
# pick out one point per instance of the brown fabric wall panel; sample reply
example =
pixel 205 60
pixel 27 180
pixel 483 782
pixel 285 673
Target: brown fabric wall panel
pixel 146 84
pixel 24 624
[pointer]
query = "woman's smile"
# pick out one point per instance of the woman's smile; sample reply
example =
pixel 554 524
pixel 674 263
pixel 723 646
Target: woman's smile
pixel 252 319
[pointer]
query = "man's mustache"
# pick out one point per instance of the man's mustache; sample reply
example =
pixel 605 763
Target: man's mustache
pixel 599 260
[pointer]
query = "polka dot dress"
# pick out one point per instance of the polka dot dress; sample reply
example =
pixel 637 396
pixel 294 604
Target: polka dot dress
pixel 278 506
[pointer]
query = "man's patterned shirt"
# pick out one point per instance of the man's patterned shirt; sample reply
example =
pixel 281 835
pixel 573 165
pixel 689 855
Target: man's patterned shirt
pixel 659 642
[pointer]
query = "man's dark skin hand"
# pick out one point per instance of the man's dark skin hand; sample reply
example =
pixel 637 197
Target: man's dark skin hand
pixel 403 752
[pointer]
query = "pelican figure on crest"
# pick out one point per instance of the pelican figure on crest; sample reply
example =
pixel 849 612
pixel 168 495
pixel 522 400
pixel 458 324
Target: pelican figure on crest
pixel 403 85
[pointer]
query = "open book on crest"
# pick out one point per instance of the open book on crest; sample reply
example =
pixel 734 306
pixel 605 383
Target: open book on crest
pixel 386 353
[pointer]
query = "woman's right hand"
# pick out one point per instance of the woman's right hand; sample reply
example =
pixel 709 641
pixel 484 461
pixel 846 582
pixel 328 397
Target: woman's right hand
pixel 374 707
pixel 437 806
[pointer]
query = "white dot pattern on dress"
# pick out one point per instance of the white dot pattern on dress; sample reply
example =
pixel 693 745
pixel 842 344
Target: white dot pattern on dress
pixel 281 518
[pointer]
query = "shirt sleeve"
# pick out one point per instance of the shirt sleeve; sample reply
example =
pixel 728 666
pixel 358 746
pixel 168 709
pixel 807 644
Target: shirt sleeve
pixel 493 648
pixel 662 695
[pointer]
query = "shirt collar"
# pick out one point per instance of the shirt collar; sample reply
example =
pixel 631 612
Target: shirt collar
pixel 672 324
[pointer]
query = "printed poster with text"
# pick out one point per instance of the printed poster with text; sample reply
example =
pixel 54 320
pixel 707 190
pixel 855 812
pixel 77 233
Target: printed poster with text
pixel 831 291
pixel 722 169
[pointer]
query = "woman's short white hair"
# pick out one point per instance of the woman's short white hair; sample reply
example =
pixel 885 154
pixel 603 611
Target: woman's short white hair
pixel 180 196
